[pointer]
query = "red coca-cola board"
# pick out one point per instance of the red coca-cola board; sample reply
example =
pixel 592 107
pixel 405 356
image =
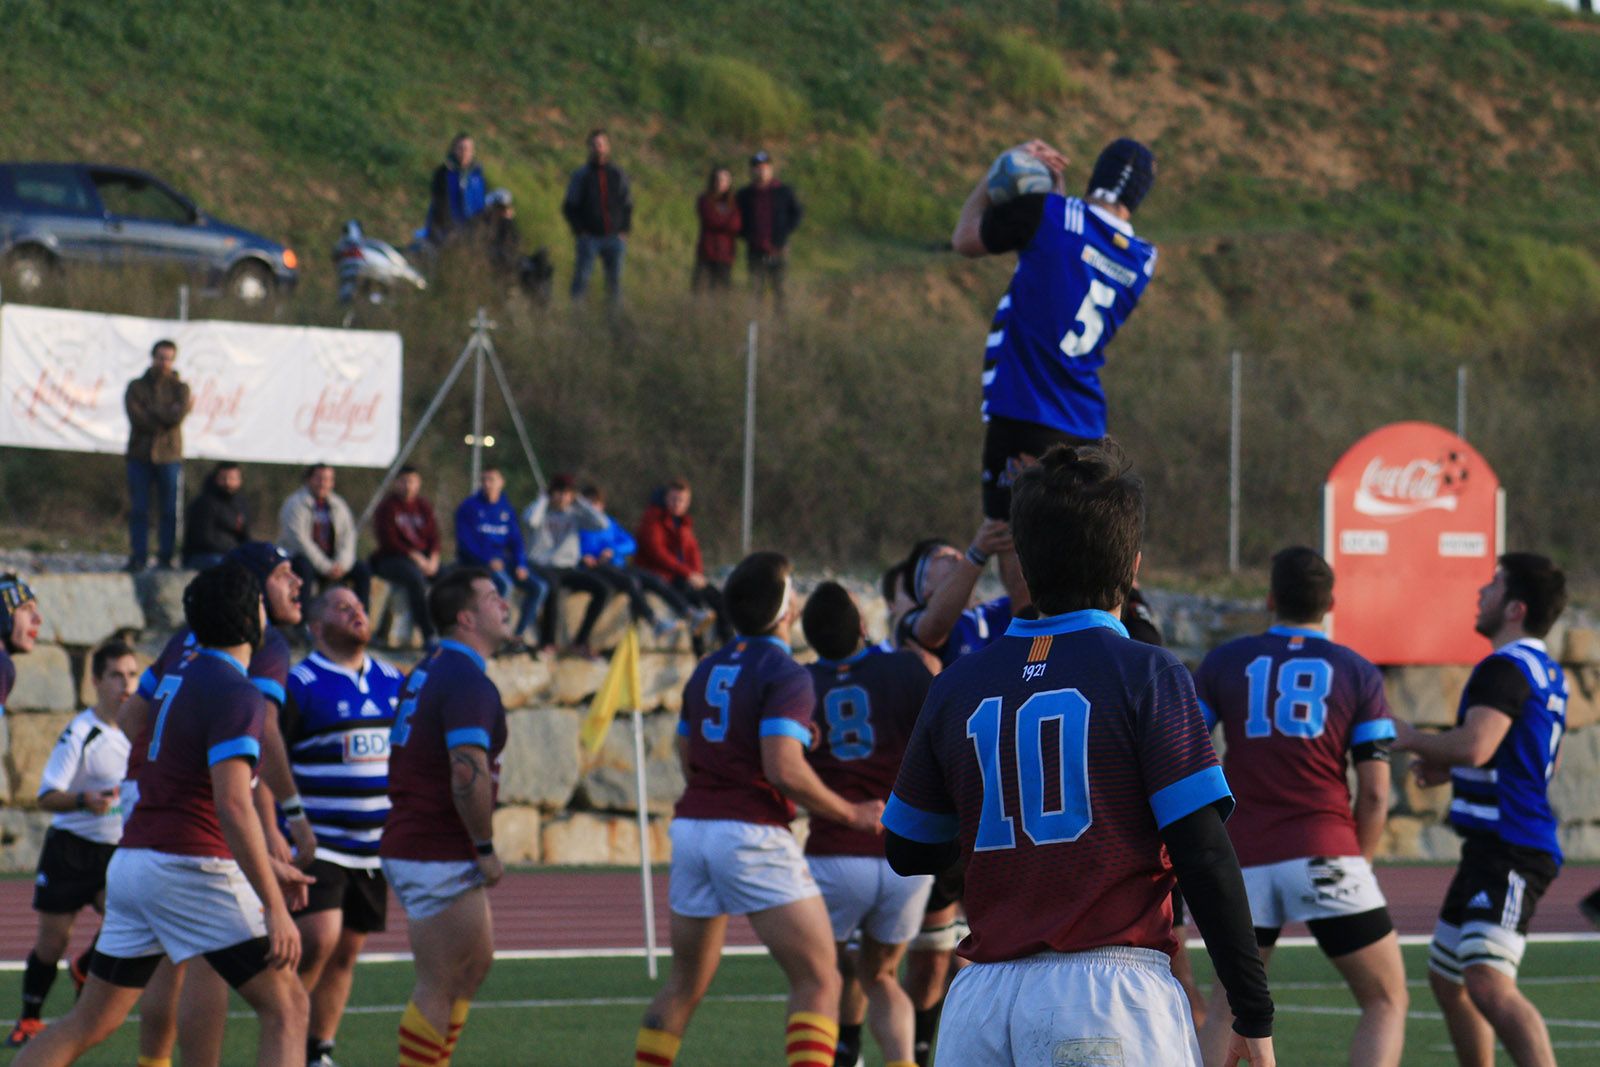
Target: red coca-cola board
pixel 1413 520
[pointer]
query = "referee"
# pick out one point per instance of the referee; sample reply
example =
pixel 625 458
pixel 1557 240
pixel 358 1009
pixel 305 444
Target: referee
pixel 80 785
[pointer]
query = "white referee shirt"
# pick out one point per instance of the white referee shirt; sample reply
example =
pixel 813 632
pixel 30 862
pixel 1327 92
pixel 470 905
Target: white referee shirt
pixel 90 757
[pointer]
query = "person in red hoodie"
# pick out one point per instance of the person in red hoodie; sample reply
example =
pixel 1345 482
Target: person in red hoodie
pixel 408 545
pixel 668 548
pixel 720 222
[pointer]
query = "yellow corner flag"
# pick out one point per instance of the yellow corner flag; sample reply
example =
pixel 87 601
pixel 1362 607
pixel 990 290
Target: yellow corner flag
pixel 620 690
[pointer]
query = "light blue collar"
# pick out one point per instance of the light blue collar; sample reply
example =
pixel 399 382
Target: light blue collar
pixel 1296 631
pixel 216 653
pixel 768 638
pixel 866 650
pixel 457 646
pixel 1071 622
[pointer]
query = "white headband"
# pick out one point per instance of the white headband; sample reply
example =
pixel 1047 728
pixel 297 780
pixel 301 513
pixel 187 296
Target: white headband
pixel 783 602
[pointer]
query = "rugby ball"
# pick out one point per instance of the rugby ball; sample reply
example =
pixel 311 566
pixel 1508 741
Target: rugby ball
pixel 1018 173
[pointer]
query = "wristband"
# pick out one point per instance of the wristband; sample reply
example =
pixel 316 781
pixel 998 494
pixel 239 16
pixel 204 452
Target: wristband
pixel 977 557
pixel 293 808
pixel 484 848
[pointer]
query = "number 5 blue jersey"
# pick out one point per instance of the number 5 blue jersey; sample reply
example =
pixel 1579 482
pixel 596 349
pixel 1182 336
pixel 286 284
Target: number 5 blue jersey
pixel 1078 278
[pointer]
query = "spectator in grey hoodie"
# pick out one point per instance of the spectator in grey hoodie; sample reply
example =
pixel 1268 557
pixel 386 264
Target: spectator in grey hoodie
pixel 318 530
pixel 554 522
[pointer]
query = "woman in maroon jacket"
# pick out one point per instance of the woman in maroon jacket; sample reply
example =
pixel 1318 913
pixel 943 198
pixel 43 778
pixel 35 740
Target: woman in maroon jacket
pixel 719 232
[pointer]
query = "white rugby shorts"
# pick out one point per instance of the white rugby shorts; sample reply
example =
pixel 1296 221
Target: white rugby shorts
pixel 427 887
pixel 181 906
pixel 724 867
pixel 1109 1007
pixel 1317 887
pixel 865 892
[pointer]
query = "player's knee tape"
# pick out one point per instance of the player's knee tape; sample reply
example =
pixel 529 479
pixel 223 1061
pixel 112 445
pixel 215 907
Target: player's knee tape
pixel 1442 958
pixel 1488 945
pixel 939 938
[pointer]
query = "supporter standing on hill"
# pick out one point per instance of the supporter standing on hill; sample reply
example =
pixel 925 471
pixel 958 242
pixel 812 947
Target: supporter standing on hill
pixel 1080 274
pixel 769 213
pixel 438 844
pixel 1069 767
pixel 1296 711
pixel 336 720
pixel 720 222
pixel 599 208
pixel 157 402
pixel 218 519
pixel 408 544
pixel 489 535
pixel 458 192
pixel 742 737
pixel 79 787
pixel 1499 759
pixel 669 549
pixel 867 703
pixel 192 876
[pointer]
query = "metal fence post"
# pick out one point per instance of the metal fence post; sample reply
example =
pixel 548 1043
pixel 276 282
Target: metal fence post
pixel 1234 427
pixel 747 529
pixel 1461 401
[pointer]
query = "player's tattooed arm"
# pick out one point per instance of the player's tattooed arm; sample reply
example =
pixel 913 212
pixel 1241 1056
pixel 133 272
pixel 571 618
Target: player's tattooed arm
pixel 472 790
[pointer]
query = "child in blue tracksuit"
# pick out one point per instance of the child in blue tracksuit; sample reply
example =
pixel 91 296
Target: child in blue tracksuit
pixel 489 534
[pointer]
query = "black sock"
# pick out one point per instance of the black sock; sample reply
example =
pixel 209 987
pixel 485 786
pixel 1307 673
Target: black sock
pixel 926 1027
pixel 316 1046
pixel 849 1048
pixel 37 978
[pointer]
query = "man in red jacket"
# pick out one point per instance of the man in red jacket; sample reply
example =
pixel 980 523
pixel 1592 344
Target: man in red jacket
pixel 408 545
pixel 669 549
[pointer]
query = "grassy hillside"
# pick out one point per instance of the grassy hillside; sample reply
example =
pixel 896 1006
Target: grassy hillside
pixel 1360 196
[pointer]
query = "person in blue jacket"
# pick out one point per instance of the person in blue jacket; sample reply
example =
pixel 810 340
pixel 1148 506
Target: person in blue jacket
pixel 457 193
pixel 607 554
pixel 489 534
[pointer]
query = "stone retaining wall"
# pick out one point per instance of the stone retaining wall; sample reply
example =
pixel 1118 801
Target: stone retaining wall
pixel 562 807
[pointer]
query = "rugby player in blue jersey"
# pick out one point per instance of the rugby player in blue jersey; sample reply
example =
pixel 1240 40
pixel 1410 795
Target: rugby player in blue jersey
pixel 1499 759
pixel 1080 274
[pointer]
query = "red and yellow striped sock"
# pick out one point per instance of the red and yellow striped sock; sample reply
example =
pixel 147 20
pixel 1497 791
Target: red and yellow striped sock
pixel 420 1044
pixel 458 1022
pixel 655 1048
pixel 810 1039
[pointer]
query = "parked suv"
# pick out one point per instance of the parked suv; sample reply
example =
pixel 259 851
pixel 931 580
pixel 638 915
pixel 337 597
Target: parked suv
pixel 55 214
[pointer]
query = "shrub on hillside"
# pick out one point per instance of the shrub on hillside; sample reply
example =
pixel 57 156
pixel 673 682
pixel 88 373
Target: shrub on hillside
pixel 1023 70
pixel 725 95
pixel 851 186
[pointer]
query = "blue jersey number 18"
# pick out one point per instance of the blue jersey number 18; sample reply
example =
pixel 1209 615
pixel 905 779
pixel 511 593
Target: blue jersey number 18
pixel 1046 820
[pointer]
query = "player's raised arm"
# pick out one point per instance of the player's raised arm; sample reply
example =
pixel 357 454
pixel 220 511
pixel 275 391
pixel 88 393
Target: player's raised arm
pixel 930 626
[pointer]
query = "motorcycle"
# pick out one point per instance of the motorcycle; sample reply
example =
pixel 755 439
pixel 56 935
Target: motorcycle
pixel 370 270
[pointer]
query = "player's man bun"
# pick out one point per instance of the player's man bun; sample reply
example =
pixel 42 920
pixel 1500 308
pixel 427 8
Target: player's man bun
pixel 1123 174
pixel 222 605
pixel 757 592
pixel 832 622
pixel 1077 518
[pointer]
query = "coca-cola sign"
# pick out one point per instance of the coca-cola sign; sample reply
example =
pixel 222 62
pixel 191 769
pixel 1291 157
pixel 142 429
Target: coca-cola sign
pixel 1413 524
pixel 1387 489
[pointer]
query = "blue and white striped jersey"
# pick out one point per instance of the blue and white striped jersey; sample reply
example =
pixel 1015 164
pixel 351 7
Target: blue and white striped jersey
pixel 1509 796
pixel 336 724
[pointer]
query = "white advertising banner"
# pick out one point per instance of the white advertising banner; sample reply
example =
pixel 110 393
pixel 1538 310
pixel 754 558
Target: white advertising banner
pixel 262 394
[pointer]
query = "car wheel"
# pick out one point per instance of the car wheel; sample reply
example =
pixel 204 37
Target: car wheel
pixel 28 271
pixel 250 283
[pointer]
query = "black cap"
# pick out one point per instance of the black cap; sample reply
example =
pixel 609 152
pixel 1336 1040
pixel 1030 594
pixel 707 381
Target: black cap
pixel 1124 173
pixel 760 157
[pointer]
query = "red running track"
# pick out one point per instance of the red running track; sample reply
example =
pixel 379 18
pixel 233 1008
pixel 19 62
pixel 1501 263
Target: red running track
pixel 575 909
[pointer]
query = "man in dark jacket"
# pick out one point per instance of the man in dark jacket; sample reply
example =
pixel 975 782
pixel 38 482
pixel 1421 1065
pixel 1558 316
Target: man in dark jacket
pixel 157 403
pixel 599 208
pixel 217 521
pixel 458 191
pixel 769 212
